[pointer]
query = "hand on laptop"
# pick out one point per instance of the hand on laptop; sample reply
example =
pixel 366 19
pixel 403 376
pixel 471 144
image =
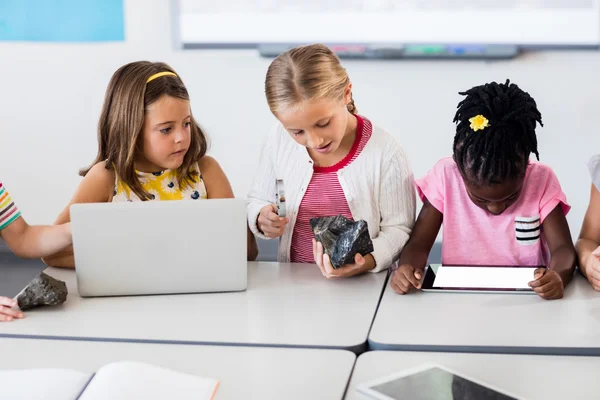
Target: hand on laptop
pixel 7 313
pixel 269 223
pixel 361 264
pixel 547 284
pixel 406 278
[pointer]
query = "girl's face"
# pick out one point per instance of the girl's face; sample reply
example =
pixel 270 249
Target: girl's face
pixel 166 135
pixel 497 197
pixel 319 125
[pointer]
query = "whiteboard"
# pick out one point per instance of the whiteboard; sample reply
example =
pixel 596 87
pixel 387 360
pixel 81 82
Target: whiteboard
pixel 248 23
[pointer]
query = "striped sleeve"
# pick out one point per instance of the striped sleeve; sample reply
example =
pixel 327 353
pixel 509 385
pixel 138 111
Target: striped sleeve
pixel 8 210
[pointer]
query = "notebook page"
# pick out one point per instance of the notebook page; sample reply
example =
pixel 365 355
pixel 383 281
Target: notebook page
pixel 134 380
pixel 42 384
pixel 484 277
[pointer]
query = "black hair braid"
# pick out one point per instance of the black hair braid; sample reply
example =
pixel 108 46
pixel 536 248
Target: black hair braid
pixel 502 149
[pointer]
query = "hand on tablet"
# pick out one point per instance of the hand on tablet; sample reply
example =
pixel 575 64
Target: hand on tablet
pixel 406 278
pixel 361 264
pixel 7 313
pixel 547 284
pixel 269 223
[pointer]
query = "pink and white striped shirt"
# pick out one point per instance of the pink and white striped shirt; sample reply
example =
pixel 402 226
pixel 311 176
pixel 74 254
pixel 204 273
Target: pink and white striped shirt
pixel 324 196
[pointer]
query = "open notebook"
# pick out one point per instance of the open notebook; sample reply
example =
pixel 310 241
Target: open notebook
pixel 115 381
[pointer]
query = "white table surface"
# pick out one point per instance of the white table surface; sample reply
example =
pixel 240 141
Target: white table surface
pixel 284 305
pixel 243 372
pixel 531 377
pixel 504 323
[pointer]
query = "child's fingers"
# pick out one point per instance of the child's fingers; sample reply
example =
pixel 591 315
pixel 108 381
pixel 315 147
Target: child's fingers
pixel 359 260
pixel 547 288
pixel 327 263
pixel 403 283
pixel 319 251
pixel 273 217
pixel 413 279
pixel 318 254
pixel 11 312
pixel 534 284
pixel 8 302
pixel 277 224
pixel 269 231
pixel 269 228
pixel 395 287
pixel 594 274
pixel 594 281
pixel 552 293
pixel 418 275
pixel 539 272
pixel 543 280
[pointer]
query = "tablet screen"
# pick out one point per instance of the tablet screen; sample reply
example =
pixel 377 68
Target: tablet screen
pixel 478 278
pixel 435 384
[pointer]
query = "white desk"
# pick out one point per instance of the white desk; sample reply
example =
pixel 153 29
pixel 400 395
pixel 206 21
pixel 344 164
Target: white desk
pixel 285 305
pixel 490 323
pixel 526 376
pixel 243 372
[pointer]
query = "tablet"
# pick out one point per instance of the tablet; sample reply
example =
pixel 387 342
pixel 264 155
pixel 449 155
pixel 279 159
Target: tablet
pixel 477 279
pixel 431 382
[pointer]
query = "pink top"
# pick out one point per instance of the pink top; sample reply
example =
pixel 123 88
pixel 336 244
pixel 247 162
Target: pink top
pixel 473 236
pixel 324 197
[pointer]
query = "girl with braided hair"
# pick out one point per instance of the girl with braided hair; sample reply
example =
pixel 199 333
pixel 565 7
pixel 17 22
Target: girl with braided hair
pixel 497 206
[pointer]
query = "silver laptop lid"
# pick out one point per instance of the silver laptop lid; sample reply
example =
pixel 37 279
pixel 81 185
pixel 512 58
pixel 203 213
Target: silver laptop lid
pixel 136 248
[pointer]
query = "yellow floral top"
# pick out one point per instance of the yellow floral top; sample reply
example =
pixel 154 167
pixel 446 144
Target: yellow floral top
pixel 161 185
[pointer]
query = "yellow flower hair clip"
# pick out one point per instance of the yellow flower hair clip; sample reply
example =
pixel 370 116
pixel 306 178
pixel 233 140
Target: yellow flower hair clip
pixel 479 123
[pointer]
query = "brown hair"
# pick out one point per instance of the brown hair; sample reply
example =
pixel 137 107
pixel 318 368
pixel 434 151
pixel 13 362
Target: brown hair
pixel 122 121
pixel 305 73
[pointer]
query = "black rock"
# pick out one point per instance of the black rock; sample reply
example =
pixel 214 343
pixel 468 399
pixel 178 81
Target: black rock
pixel 43 290
pixel 342 239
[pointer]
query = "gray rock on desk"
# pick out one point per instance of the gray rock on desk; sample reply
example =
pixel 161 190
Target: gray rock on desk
pixel 43 290
pixel 342 238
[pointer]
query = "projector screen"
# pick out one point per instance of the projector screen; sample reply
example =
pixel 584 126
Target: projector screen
pixel 248 23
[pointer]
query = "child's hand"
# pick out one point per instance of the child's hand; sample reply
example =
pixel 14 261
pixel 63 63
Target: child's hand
pixel 405 278
pixel 547 284
pixel 269 223
pixel 592 269
pixel 7 313
pixel 361 264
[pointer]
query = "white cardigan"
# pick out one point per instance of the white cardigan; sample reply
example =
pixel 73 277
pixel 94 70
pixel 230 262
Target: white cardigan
pixel 378 185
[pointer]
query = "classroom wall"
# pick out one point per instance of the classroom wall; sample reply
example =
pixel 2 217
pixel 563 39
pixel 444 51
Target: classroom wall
pixel 52 95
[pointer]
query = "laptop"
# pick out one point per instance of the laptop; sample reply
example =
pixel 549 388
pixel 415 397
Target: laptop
pixel 164 247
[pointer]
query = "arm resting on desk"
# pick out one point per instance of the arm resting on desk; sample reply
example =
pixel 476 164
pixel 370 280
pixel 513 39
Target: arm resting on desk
pixel 563 258
pixel 96 187
pixel 423 237
pixel 31 241
pixel 62 259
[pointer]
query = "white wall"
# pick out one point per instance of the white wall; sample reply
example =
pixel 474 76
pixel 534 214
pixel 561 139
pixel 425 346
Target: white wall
pixel 52 94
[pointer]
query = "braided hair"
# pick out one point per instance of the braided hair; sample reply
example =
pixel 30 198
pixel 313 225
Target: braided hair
pixel 501 150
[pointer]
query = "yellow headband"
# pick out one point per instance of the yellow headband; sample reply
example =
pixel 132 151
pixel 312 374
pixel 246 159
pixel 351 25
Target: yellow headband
pixel 158 75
